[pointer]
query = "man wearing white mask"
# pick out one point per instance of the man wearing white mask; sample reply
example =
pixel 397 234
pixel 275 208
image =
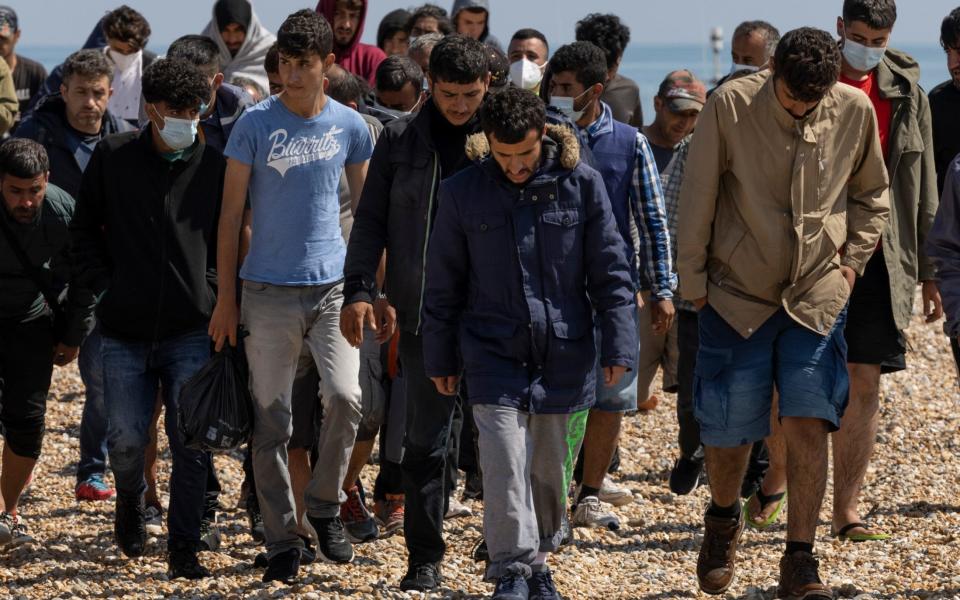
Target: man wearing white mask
pixel 528 52
pixel 127 33
pixel 751 48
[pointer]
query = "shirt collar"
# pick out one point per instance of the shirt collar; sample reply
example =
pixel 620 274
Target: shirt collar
pixel 603 124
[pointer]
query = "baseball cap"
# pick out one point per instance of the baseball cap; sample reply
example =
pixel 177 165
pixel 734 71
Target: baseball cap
pixel 8 16
pixel 681 90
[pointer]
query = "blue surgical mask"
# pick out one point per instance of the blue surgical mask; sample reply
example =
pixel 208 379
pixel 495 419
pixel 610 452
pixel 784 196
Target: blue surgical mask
pixel 178 133
pixel 565 105
pixel 860 57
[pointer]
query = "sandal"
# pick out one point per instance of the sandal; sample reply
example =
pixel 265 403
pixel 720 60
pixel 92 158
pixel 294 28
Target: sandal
pixel 843 534
pixel 765 501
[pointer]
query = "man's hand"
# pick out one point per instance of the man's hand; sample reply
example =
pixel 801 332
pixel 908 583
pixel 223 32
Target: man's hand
pixel 613 375
pixel 63 355
pixel 932 304
pixel 447 385
pixel 850 275
pixel 699 303
pixel 353 318
pixel 639 301
pixel 223 324
pixel 386 317
pixel 661 315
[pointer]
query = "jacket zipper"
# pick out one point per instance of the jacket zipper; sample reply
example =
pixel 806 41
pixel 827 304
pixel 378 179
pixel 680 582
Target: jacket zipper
pixel 426 240
pixel 163 256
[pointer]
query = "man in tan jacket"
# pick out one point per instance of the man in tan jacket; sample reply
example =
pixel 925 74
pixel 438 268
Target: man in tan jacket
pixel 782 205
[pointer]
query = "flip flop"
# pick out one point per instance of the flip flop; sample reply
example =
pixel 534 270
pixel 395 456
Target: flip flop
pixel 843 534
pixel 765 501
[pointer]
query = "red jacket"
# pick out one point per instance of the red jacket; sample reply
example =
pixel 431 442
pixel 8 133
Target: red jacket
pixel 358 58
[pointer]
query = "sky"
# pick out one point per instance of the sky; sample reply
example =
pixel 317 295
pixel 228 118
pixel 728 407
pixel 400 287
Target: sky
pixel 68 22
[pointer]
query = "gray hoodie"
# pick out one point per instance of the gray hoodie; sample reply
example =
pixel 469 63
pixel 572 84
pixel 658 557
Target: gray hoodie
pixel 486 38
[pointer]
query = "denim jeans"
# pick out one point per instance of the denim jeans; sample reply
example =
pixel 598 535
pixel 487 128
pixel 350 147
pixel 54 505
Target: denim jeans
pixel 133 372
pixel 93 422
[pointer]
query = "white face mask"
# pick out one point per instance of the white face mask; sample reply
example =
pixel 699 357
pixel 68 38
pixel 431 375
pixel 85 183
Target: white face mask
pixel 123 61
pixel 526 74
pixel 178 133
pixel 737 68
pixel 565 105
pixel 860 57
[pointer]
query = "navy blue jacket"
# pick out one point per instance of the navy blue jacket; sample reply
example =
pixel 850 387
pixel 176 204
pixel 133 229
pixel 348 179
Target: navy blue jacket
pixel 514 277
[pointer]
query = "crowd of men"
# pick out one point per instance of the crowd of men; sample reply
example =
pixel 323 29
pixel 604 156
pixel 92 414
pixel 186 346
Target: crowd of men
pixel 478 256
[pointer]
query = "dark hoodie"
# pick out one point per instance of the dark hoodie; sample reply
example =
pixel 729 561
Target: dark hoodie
pixel 358 58
pixel 485 37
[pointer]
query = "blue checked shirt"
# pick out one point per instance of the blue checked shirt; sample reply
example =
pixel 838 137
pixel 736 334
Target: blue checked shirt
pixel 671 178
pixel 649 214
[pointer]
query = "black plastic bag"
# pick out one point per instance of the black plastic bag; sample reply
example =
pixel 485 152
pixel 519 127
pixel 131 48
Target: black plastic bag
pixel 216 409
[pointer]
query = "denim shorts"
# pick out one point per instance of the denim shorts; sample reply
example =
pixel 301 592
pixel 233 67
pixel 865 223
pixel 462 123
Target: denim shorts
pixel 735 377
pixel 622 397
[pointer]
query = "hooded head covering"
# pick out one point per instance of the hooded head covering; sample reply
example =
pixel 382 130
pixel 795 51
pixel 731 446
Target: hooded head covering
pixel 460 5
pixel 360 59
pixel 392 22
pixel 232 11
pixel 248 61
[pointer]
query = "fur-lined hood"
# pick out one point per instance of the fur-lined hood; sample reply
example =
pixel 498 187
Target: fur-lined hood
pixel 562 138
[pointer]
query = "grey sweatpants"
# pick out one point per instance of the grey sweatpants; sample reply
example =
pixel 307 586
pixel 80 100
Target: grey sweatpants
pixel 527 461
pixel 280 320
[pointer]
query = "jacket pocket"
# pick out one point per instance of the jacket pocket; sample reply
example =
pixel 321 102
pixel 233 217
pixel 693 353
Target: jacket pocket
pixel 412 179
pixel 561 233
pixel 710 388
pixel 571 329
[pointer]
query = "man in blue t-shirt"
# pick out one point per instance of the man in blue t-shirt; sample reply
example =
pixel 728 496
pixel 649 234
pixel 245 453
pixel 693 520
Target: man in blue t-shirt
pixel 288 152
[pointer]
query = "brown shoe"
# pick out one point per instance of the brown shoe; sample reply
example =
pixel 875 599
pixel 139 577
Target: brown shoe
pixel 799 579
pixel 716 564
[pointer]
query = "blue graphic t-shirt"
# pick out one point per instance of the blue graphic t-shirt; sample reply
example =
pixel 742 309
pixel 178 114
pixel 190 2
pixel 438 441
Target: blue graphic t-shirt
pixel 294 186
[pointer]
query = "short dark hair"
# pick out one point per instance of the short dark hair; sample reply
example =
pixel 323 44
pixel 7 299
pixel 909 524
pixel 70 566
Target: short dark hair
pixel 458 59
pixel 23 158
pixel 88 64
pixel 584 59
pixel 528 33
pixel 432 10
pixel 345 87
pixel 175 81
pixel 511 114
pixel 126 25
pixel 199 50
pixel 499 66
pixel 771 35
pixel 246 82
pixel 807 60
pixel 305 32
pixel 397 71
pixel 271 62
pixel 607 32
pixel 950 30
pixel 877 14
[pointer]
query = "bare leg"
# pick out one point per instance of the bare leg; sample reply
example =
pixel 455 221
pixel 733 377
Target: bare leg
pixel 599 443
pixel 725 469
pixel 13 479
pixel 853 443
pixel 361 453
pixel 150 458
pixel 775 479
pixel 298 463
pixel 806 475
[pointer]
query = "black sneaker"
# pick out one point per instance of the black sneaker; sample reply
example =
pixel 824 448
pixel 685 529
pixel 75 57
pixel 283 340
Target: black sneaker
pixel 332 544
pixel 182 562
pixel 424 577
pixel 209 536
pixel 359 525
pixel 256 521
pixel 129 526
pixel 308 553
pixel 541 585
pixel 511 586
pixel 473 488
pixel 685 475
pixel 283 567
pixel 480 552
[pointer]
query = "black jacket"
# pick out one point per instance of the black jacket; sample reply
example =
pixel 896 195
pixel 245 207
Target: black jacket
pixel 396 212
pixel 144 234
pixel 48 126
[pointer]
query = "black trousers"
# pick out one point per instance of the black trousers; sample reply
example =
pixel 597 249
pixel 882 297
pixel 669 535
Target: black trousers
pixel 26 364
pixel 426 478
pixel 956 353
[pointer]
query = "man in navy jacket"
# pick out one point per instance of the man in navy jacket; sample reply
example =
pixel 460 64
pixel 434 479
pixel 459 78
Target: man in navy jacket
pixel 524 251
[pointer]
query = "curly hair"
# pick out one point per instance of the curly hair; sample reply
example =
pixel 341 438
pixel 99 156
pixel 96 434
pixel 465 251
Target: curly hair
pixel 126 25
pixel 305 32
pixel 807 60
pixel 89 64
pixel 271 62
pixel 175 81
pixel 877 14
pixel 23 158
pixel 509 115
pixel 458 59
pixel 950 30
pixel 584 59
pixel 607 32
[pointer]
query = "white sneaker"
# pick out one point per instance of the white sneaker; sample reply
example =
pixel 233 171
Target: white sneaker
pixel 457 509
pixel 13 530
pixel 590 513
pixel 153 520
pixel 614 494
